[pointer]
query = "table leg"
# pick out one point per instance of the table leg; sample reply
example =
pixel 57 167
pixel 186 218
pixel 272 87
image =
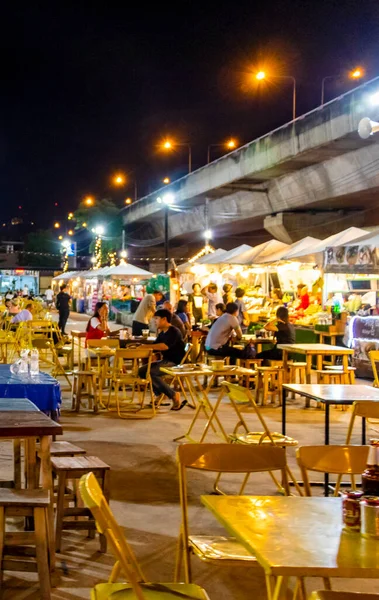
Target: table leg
pixel 284 399
pixel 30 463
pixel 345 362
pixel 326 476
pixel 47 484
pixel 363 431
pixel 285 365
pixel 17 463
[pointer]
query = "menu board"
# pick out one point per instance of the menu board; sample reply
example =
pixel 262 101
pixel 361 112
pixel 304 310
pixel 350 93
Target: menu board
pixel 364 337
pixel 351 259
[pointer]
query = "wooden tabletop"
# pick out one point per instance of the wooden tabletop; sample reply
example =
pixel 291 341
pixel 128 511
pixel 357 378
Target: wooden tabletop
pixel 11 404
pixel 315 349
pixel 335 394
pixel 297 536
pixel 19 424
pixel 184 371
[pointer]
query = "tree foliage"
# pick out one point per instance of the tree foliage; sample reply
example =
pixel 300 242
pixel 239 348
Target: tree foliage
pixel 103 212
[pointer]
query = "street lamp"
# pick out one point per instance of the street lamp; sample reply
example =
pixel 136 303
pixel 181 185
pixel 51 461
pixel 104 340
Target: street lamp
pixel 208 234
pixel 121 180
pixel 169 145
pixel 356 74
pixel 57 225
pixel 166 200
pixel 128 200
pixel 261 75
pixel 89 201
pixel 166 180
pixel 229 145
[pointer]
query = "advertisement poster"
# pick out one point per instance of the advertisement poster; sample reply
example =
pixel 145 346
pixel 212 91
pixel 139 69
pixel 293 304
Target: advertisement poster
pixel 351 259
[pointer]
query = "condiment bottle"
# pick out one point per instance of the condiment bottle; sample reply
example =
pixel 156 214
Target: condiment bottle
pixel 370 476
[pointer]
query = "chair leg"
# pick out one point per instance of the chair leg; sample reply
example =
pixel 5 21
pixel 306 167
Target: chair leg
pixel 40 527
pixel 179 558
pixel 60 510
pixel 265 388
pixel 2 535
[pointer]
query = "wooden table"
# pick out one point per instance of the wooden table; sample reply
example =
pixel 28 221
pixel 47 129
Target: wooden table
pixel 310 350
pixel 299 537
pixel 199 394
pixel 28 424
pixel 259 342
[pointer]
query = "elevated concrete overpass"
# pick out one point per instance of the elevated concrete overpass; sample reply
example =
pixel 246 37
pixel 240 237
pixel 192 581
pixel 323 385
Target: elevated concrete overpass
pixel 312 176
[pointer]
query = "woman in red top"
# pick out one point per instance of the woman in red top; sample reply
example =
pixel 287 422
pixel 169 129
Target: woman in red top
pixel 97 326
pixel 304 298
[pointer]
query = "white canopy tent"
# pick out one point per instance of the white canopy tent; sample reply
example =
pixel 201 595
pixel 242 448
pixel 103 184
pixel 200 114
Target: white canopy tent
pixel 251 255
pixel 315 253
pixel 126 270
pixel 370 238
pixel 227 256
pixel 287 253
pixel 68 275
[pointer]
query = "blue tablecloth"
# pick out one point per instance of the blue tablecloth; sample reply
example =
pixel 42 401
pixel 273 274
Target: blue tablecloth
pixel 42 389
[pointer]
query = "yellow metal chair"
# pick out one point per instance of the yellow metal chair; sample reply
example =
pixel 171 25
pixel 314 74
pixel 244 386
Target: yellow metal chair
pixel 126 564
pixel 125 377
pixel 220 458
pixel 239 395
pixel 46 347
pixel 339 460
pixel 374 358
pixel 365 410
pixel 100 362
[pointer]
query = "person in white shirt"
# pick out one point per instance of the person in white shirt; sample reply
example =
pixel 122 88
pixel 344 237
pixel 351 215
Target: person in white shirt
pixel 145 312
pixel 211 293
pixel 25 291
pixel 217 342
pixel 49 294
pixel 23 315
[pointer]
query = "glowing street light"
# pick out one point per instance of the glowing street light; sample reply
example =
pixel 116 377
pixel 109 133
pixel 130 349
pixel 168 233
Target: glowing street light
pixel 229 145
pixel 70 232
pixel 123 254
pixel 60 237
pixel 169 145
pixel 355 74
pixel 70 216
pixel 66 244
pixel 57 225
pixel 84 225
pixel 262 75
pixel 128 201
pixel 99 230
pixel 89 201
pixel 208 234
pixel 119 179
pixel 166 180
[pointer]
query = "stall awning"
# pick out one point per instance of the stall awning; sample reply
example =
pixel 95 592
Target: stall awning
pixel 208 258
pixel 306 243
pixel 315 254
pixel 126 270
pixel 252 255
pixel 67 275
pixel 227 256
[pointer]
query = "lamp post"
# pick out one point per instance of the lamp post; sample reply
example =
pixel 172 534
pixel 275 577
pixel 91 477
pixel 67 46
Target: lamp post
pixel 166 200
pixel 229 145
pixel 120 180
pixel 261 75
pixel 169 145
pixel 356 74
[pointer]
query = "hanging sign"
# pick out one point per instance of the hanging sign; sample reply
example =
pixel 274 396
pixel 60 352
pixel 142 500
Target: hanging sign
pixel 351 259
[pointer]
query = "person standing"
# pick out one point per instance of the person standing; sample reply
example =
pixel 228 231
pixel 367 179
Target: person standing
pixel 197 301
pixel 49 294
pixel 145 312
pixel 243 317
pixel 63 307
pixel 228 293
pixel 211 292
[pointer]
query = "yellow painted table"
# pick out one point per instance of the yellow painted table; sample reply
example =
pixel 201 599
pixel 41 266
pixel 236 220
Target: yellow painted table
pixel 200 395
pixel 298 537
pixel 76 340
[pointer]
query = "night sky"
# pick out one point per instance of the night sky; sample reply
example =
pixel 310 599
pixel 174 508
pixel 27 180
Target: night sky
pixel 90 88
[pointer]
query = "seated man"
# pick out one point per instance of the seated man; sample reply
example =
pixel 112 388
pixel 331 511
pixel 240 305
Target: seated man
pixel 175 320
pixel 23 315
pixel 170 344
pixel 220 333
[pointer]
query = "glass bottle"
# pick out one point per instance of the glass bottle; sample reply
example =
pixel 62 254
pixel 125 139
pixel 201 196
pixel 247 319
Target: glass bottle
pixel 370 476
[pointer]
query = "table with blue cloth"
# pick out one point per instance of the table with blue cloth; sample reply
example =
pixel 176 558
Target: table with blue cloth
pixel 42 389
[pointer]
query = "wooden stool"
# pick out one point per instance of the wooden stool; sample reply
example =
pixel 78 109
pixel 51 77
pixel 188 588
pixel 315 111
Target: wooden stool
pixel 251 363
pixel 326 376
pixel 349 377
pixel 297 373
pixel 270 381
pixel 86 380
pixel 72 468
pixel 58 449
pixel 15 551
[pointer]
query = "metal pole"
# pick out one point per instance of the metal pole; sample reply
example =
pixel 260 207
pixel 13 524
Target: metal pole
pixel 209 155
pixel 135 189
pixel 166 239
pixel 323 91
pixel 294 100
pixel 189 159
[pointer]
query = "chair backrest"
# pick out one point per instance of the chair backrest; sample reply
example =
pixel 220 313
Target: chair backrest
pixel 107 342
pixel 106 524
pixel 364 409
pixel 340 460
pixel 188 350
pixel 127 362
pixel 374 358
pixel 43 344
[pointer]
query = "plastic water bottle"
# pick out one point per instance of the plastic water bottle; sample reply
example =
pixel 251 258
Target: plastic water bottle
pixel 34 362
pixel 24 361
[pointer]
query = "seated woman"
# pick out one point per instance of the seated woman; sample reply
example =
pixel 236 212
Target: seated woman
pixel 97 326
pixel 22 315
pixel 284 333
pixel 182 313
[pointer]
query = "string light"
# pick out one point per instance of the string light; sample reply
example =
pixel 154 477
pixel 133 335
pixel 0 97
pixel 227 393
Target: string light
pixel 206 250
pixel 112 258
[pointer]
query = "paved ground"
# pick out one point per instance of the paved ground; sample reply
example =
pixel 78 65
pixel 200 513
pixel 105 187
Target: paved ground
pixel 144 497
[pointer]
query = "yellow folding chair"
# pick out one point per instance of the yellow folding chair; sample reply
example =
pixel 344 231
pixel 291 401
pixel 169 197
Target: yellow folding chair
pixel 126 564
pixel 220 458
pixel 44 347
pixel 125 377
pixel 339 460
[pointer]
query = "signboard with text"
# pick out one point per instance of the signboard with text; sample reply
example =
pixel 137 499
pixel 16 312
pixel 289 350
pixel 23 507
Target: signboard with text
pixel 351 259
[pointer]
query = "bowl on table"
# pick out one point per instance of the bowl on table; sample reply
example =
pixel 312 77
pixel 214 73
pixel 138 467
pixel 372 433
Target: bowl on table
pixel 217 365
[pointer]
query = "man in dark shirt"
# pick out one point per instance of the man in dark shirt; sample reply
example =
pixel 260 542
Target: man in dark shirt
pixel 170 344
pixel 63 306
